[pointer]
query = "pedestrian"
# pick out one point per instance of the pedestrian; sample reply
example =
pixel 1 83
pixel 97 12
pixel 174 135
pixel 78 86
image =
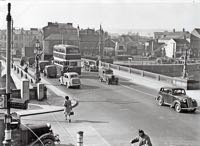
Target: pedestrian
pixel 143 139
pixel 68 108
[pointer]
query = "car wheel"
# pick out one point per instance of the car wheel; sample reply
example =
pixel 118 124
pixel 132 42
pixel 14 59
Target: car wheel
pixel 160 101
pixel 48 142
pixel 178 107
pixel 193 110
pixel 78 86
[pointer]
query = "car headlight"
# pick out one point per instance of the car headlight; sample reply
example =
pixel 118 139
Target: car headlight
pixel 184 100
pixel 49 125
pixel 193 100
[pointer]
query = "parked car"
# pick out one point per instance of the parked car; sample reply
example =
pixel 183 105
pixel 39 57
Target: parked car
pixel 106 75
pixel 50 71
pixel 32 134
pixel 176 98
pixel 70 79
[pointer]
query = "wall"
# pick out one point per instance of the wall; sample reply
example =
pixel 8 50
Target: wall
pixel 172 70
pixel 180 82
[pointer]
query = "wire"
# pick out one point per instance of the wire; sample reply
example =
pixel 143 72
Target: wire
pixel 30 130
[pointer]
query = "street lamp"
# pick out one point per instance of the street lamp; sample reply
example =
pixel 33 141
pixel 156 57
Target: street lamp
pixel 185 72
pixel 37 57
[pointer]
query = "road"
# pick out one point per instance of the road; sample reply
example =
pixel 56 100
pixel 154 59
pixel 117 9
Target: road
pixel 110 115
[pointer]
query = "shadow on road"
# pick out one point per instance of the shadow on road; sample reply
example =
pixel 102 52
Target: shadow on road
pixel 65 144
pixel 114 102
pixel 88 77
pixel 83 86
pixel 88 121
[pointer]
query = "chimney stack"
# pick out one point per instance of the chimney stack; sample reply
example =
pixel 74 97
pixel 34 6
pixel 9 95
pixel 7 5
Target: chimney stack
pixel 183 29
pixel 174 30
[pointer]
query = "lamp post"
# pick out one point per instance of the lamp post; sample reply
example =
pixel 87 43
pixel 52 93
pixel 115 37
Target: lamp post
pixel 185 72
pixel 37 57
pixel 7 138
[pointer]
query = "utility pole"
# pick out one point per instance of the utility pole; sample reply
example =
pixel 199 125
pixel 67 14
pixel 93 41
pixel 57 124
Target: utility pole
pixel 101 47
pixel 185 72
pixel 7 138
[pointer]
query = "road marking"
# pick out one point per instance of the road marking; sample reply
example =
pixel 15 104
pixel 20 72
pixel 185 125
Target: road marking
pixel 137 90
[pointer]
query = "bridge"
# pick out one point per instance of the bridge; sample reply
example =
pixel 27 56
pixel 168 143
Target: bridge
pixel 110 115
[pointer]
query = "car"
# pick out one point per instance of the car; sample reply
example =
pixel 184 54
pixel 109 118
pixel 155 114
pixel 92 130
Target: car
pixel 70 79
pixel 106 75
pixel 176 98
pixel 32 134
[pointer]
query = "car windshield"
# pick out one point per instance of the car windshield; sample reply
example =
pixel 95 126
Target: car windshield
pixel 74 76
pixel 179 92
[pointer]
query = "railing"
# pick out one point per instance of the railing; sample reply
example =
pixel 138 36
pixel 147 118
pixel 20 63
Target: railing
pixel 23 74
pixel 158 77
pixel 21 71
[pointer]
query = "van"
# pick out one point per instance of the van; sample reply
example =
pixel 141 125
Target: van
pixel 50 71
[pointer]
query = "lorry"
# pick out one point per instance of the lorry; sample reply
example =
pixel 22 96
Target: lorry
pixel 42 65
pixel 50 71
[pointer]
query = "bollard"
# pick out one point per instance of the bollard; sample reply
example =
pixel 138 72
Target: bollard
pixel 80 138
pixel 25 89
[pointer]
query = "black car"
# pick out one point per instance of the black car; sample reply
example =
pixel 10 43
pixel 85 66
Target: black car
pixel 32 134
pixel 176 98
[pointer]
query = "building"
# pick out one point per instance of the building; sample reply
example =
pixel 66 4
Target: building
pixel 89 42
pixel 21 38
pixel 58 33
pixel 195 43
pixel 109 47
pixel 176 48
pixel 172 35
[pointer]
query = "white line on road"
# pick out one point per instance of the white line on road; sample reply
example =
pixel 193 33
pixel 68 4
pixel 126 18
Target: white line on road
pixel 137 90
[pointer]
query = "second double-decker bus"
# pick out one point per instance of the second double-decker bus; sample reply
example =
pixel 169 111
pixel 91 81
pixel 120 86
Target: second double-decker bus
pixel 67 58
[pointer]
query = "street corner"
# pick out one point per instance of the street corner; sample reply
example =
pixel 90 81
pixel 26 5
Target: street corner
pixel 34 107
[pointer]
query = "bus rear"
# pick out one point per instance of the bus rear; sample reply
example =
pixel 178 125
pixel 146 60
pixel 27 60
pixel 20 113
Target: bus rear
pixel 67 58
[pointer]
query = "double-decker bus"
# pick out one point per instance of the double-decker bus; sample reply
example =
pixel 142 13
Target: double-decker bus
pixel 67 58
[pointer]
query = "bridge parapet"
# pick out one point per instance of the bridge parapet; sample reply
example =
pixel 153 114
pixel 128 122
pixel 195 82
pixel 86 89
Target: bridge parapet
pixel 20 70
pixel 171 81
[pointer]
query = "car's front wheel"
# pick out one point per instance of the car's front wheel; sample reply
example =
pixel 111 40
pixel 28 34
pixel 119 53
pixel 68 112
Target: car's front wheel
pixel 160 101
pixel 178 107
pixel 48 142
pixel 193 110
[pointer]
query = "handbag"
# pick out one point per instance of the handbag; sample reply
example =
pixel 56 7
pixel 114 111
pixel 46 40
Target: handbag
pixel 71 113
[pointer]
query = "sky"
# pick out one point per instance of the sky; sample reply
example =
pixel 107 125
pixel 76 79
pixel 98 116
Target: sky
pixel 113 15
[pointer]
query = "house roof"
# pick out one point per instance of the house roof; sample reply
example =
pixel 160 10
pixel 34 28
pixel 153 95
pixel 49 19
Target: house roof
pixel 60 37
pixel 177 34
pixel 181 41
pixel 196 32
